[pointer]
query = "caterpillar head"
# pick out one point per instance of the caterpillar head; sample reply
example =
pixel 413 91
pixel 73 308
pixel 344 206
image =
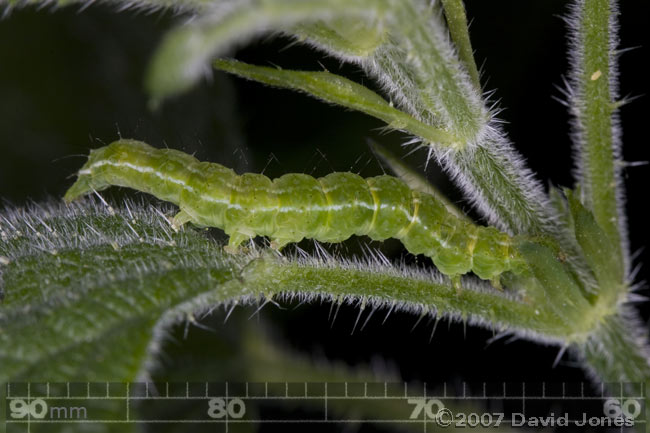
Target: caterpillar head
pixel 87 181
pixel 94 176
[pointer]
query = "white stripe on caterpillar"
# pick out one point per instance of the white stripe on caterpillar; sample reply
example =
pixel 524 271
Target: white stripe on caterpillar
pixel 296 206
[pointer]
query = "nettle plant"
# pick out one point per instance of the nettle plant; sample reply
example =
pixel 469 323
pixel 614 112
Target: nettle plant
pixel 83 278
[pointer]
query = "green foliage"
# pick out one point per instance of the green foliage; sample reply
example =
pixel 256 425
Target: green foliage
pixel 185 53
pixel 457 23
pixel 85 284
pixel 593 102
pixel 339 90
pixel 78 277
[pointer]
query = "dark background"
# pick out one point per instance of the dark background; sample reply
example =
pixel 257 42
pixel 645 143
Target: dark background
pixel 71 81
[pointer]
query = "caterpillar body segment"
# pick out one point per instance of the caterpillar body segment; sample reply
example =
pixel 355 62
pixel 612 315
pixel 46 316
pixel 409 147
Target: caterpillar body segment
pixel 296 206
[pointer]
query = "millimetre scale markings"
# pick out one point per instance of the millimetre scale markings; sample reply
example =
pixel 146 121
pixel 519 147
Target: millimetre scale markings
pixel 334 399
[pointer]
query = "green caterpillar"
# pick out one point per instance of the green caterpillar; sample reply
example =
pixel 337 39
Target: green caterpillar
pixel 297 206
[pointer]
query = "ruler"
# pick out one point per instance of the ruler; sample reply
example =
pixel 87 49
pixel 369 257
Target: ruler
pixel 401 406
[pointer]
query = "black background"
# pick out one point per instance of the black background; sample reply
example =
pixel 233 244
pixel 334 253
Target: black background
pixel 70 81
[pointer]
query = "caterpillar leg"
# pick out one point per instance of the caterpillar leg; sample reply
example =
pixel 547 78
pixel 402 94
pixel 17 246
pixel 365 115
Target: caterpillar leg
pixel 279 243
pixel 496 282
pixel 235 241
pixel 180 219
pixel 455 281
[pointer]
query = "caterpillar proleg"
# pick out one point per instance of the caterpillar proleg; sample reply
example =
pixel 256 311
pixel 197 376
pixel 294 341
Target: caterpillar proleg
pixel 296 206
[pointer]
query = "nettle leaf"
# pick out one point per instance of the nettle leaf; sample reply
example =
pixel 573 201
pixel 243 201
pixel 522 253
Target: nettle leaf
pixel 90 290
pixel 355 39
pixel 184 55
pixel 339 90
pixel 7 6
pixel 599 251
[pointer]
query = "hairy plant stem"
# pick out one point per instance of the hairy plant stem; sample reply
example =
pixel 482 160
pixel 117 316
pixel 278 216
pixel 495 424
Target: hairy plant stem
pixel 458 28
pixel 78 281
pixel 76 276
pixel 617 352
pixel 438 72
pixel 592 98
pixel 519 203
pixel 185 52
